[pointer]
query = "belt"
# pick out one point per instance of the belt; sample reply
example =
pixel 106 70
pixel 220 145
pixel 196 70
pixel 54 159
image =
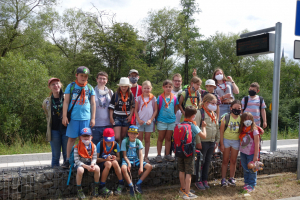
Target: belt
pixel 227 103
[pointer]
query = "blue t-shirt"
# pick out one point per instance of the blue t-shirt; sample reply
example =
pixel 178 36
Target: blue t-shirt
pixel 166 115
pixel 80 112
pixel 131 153
pixel 107 149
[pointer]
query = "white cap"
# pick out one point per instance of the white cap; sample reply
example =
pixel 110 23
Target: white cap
pixel 124 81
pixel 210 82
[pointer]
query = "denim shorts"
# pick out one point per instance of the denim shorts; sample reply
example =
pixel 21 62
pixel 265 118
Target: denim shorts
pixel 146 128
pixel 161 126
pixel 136 163
pixel 75 126
pixel 232 143
pixel 97 133
pixel 121 120
pixel 88 163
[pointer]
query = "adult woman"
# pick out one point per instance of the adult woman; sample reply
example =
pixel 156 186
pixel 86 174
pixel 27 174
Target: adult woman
pixel 56 132
pixel 226 87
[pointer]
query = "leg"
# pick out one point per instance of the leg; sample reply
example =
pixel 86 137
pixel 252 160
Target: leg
pixel 182 180
pixel 147 171
pixel 79 174
pixel 124 132
pixel 55 147
pixel 188 179
pixel 168 136
pixel 97 173
pixel 64 143
pixel 225 162
pixel 140 137
pixel 117 130
pixel 209 149
pixel 233 157
pixel 245 167
pixel 107 166
pixel 147 143
pixel 125 174
pixel 160 139
pixel 117 168
pixel 71 142
pixel 252 176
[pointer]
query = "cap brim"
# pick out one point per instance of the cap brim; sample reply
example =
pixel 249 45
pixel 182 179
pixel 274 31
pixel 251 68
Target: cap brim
pixel 109 139
pixel 129 85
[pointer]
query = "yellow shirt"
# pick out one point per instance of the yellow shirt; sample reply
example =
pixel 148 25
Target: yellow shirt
pixel 232 131
pixel 188 102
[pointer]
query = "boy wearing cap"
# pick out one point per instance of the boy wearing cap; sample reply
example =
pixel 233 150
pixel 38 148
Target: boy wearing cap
pixel 82 112
pixel 136 89
pixel 132 149
pixel 108 155
pixel 85 157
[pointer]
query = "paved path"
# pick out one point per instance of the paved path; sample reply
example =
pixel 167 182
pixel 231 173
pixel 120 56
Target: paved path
pixel 41 159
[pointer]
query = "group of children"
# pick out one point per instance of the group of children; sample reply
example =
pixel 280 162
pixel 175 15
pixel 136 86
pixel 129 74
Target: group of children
pixel 199 108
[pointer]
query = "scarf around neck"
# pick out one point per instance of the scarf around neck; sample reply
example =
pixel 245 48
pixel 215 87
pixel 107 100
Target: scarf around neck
pixel 189 120
pixel 82 95
pixel 82 151
pixel 167 103
pixel 102 93
pixel 151 96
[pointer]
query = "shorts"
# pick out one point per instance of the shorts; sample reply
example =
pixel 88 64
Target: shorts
pixel 88 163
pixel 97 133
pixel 137 163
pixel 161 126
pixel 186 164
pixel 231 143
pixel 101 165
pixel 121 120
pixel 75 126
pixel 146 128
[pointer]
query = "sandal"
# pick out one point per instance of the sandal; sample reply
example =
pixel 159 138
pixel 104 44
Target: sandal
pixel 216 156
pixel 146 160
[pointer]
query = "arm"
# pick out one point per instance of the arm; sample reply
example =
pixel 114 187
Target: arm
pixel 76 158
pixel 93 111
pixel 222 127
pixel 94 158
pixel 263 114
pixel 99 160
pixel 118 156
pixel 202 133
pixel 141 122
pixel 218 112
pixel 44 108
pixel 65 120
pixel 141 161
pixel 153 116
pixel 127 160
pixel 111 112
pixel 176 108
pixel 256 148
pixel 217 138
pixel 180 104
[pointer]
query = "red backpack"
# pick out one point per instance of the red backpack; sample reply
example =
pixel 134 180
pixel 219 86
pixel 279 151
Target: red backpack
pixel 183 144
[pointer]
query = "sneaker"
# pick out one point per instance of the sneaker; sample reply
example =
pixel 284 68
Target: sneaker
pixel 245 185
pixel 224 182
pixel 66 164
pixel 138 188
pixel 181 191
pixel 249 188
pixel 200 185
pixel 189 196
pixel 105 192
pixel 95 192
pixel 119 189
pixel 169 158
pixel 158 159
pixel 131 191
pixel 231 181
pixel 205 184
pixel 80 194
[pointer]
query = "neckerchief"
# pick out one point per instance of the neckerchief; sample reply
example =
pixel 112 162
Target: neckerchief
pixel 82 151
pixel 193 100
pixel 167 103
pixel 221 87
pixel 212 115
pixel 176 89
pixel 102 93
pixel 57 108
pixel 82 96
pixel 189 120
pixel 245 131
pixel 124 101
pixel 104 148
pixel 146 103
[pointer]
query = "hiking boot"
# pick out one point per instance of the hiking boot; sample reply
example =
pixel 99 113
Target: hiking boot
pixel 119 189
pixel 169 158
pixel 224 182
pixel 249 188
pixel 205 184
pixel 66 164
pixel 189 196
pixel 231 181
pixel 158 159
pixel 131 191
pixel 80 194
pixel 95 192
pixel 200 185
pixel 138 188
pixel 105 192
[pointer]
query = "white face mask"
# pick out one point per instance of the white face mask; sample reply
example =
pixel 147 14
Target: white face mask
pixel 247 123
pixel 219 77
pixel 86 142
pixel 212 107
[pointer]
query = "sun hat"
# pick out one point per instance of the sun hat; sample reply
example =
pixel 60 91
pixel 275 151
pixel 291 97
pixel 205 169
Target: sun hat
pixel 109 135
pixel 210 82
pixel 83 70
pixel 133 71
pixel 133 129
pixel 52 79
pixel 124 81
pixel 86 131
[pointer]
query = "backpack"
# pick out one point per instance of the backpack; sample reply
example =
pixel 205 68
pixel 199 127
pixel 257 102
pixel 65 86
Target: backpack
pixel 90 89
pixel 186 97
pixel 112 149
pixel 137 141
pixel 183 144
pixel 72 162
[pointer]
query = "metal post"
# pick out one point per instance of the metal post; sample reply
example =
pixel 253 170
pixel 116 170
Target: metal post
pixel 276 82
pixel 298 163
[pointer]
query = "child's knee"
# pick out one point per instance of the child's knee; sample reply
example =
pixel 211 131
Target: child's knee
pixel 97 168
pixel 107 165
pixel 115 163
pixel 148 167
pixel 80 170
pixel 124 168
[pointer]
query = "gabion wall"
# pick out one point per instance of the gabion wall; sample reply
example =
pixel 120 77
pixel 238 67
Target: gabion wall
pixel 45 182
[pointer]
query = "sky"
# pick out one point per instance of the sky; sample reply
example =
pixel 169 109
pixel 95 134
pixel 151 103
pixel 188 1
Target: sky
pixel 232 16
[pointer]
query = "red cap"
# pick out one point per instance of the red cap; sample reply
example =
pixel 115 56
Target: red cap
pixel 52 79
pixel 108 132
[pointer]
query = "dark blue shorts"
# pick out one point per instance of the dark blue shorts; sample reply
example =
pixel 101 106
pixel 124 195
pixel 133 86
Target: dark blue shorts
pixel 121 121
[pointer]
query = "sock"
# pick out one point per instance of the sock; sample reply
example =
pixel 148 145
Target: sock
pixel 130 185
pixel 121 182
pixel 68 159
pixel 139 182
pixel 102 183
pixel 97 183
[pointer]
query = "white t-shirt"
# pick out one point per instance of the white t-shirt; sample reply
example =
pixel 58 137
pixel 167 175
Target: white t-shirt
pixel 146 113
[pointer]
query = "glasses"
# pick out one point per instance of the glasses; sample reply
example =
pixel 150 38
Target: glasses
pixel 213 103
pixel 102 79
pixel 176 81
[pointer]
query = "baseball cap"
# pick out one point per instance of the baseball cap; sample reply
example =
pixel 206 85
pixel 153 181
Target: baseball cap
pixel 133 71
pixel 86 131
pixel 210 82
pixel 109 135
pixel 52 79
pixel 83 70
pixel 133 129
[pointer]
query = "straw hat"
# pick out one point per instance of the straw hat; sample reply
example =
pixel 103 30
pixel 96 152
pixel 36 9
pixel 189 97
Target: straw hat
pixel 124 81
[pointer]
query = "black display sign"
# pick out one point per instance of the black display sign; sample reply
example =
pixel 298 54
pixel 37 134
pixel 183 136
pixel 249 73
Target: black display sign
pixel 259 44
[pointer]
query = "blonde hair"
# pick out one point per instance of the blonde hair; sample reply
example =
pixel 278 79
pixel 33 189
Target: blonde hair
pixel 208 98
pixel 178 75
pixel 148 83
pixel 244 117
pixel 196 79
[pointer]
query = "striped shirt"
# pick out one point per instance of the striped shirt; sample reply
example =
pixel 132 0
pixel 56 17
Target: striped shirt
pixel 80 160
pixel 117 106
pixel 253 107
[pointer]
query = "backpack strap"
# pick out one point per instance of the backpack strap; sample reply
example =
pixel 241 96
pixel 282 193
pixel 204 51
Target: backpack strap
pixel 202 116
pixel 227 118
pixel 198 98
pixel 116 98
pixel 246 102
pixel 101 147
pixel 160 100
pixel 185 98
pixel 261 99
pixel 110 93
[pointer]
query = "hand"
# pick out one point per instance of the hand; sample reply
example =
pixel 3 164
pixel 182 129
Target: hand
pixel 129 167
pixel 265 125
pixel 112 121
pixel 227 96
pixel 149 122
pixel 183 113
pixel 108 158
pixel 129 118
pixel 222 148
pixel 255 158
pixel 92 123
pixel 216 145
pixel 113 157
pixel 141 122
pixel 199 146
pixel 140 171
pixel 92 167
pixel 229 78
pixel 65 121
pixel 194 72
pixel 203 124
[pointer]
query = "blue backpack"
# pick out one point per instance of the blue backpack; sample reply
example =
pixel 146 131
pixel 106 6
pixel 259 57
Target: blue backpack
pixel 72 162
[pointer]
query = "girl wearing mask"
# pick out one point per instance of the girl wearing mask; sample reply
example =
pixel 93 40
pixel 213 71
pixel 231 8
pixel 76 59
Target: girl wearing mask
pixel 229 141
pixel 226 87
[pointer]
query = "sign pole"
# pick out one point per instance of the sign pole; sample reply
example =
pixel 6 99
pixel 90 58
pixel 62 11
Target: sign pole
pixel 276 84
pixel 298 163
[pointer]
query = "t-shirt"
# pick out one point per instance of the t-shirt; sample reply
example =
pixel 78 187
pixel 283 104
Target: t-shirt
pixel 178 113
pixel 118 108
pixel 135 94
pixel 107 149
pixel 131 153
pixel 232 131
pixel 204 92
pixel 167 115
pixel 80 112
pixel 220 89
pixel 195 131
pixel 188 102
pixel 56 115
pixel 253 107
pixel 146 113
pixel 102 103
pixel 247 144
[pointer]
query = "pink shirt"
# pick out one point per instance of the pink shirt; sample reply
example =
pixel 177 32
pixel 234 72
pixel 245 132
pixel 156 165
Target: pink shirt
pixel 247 144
